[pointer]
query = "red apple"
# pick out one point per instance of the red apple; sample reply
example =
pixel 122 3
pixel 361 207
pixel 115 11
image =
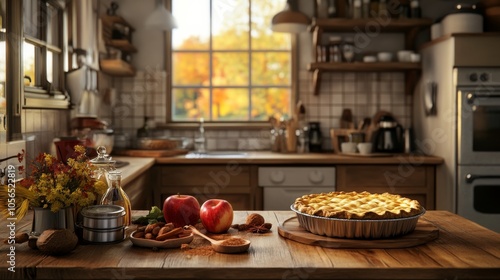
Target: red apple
pixel 181 210
pixel 216 215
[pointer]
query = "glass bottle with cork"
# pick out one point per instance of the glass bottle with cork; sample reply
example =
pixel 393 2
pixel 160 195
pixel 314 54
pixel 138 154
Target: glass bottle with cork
pixel 334 51
pixel 115 195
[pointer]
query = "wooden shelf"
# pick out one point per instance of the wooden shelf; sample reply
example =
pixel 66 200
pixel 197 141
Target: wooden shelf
pixel 117 67
pixel 411 70
pixel 123 45
pixel 363 66
pixel 410 27
pixel 385 25
pixel 110 20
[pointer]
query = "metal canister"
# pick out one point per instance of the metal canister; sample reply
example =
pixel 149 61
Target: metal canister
pixel 103 223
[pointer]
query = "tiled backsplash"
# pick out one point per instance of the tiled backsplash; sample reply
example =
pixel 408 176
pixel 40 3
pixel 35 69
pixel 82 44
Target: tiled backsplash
pixel 363 93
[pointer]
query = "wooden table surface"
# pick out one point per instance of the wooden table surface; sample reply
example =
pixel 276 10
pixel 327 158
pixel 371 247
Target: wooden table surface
pixel 463 250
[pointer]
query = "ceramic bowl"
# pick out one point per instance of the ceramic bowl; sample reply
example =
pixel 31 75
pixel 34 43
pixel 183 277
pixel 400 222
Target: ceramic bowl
pixel 348 147
pixel 404 56
pixel 365 148
pixel 384 56
pixel 169 243
pixel 370 58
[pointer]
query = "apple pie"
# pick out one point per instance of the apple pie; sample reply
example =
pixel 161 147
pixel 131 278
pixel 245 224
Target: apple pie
pixel 360 206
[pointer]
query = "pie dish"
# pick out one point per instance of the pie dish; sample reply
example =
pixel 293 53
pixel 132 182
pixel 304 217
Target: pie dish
pixel 354 205
pixel 357 215
pixel 169 243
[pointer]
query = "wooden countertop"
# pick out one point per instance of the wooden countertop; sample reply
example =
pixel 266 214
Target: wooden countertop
pixel 308 158
pixel 463 250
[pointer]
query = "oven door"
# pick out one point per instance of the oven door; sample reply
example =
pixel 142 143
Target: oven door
pixel 479 126
pixel 479 194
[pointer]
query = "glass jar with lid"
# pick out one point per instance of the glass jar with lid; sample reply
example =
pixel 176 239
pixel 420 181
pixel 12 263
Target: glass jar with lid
pixel 104 164
pixel 334 51
pixel 348 49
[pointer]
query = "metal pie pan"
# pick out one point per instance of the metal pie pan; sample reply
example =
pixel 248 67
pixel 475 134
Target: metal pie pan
pixel 357 229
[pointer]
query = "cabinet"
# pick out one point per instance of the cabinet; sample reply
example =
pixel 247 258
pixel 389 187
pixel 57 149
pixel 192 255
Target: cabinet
pixel 117 36
pixel 410 27
pixel 235 183
pixel 140 191
pixel 415 182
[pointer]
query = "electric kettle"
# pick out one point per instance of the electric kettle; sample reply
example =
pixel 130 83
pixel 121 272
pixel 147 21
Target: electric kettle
pixel 388 138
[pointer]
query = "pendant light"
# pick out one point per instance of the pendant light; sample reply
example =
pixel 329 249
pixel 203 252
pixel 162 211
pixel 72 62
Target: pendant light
pixel 161 18
pixel 289 20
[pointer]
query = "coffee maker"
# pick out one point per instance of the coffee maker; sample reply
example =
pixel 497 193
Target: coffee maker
pixel 389 137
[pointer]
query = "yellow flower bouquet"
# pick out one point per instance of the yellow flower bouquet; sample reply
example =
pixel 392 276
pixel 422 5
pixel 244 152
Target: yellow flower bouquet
pixel 55 185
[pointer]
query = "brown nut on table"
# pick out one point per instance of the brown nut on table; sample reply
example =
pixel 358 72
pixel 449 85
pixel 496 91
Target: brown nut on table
pixel 156 230
pixel 139 234
pixel 171 234
pixel 150 227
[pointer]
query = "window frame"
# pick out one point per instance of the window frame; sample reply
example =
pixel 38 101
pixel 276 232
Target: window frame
pixel 43 96
pixel 170 123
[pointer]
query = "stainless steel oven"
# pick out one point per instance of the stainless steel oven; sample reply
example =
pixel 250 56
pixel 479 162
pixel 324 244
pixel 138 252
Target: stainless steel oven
pixel 479 116
pixel 478 138
pixel 479 194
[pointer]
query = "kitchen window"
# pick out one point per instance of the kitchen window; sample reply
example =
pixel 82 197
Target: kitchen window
pixel 43 54
pixel 226 63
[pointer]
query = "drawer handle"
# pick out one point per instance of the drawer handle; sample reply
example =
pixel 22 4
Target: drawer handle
pixel 316 177
pixel 469 178
pixel 277 177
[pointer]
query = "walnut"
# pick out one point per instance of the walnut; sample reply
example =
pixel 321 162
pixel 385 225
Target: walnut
pixel 255 219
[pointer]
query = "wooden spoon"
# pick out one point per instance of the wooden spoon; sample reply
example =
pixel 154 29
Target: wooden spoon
pixel 219 247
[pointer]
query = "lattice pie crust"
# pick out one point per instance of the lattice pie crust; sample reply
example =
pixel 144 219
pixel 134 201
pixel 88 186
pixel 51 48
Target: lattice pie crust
pixel 354 205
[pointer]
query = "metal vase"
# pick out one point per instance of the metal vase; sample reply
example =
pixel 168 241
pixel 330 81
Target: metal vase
pixel 44 218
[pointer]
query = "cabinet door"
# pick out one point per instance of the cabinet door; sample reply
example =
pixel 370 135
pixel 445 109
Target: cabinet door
pixel 416 182
pixel 235 184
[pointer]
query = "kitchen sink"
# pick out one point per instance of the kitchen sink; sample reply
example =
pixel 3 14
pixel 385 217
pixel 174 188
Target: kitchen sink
pixel 216 154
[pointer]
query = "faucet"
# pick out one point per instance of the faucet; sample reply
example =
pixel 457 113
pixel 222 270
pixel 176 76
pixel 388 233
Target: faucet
pixel 200 142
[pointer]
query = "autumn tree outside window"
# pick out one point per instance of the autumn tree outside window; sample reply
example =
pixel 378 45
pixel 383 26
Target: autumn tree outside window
pixel 226 63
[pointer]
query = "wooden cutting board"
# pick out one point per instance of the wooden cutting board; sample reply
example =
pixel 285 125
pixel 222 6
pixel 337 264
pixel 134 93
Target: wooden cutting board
pixel 150 153
pixel 423 233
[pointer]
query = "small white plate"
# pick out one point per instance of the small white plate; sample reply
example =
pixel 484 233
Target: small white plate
pixel 169 243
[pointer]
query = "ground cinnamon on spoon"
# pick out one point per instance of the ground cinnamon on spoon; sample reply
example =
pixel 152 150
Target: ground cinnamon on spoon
pixel 233 242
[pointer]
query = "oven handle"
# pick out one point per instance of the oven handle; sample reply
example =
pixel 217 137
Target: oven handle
pixel 469 178
pixel 471 96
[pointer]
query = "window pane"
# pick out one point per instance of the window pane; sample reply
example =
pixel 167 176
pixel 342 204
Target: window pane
pixel 269 101
pixel 230 104
pixel 52 25
pixel 230 24
pixel 53 59
pixel 190 68
pixel 230 69
pixel 29 64
pixel 189 104
pixel 32 18
pixel 262 35
pixel 193 24
pixel 50 67
pixel 216 70
pixel 271 68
